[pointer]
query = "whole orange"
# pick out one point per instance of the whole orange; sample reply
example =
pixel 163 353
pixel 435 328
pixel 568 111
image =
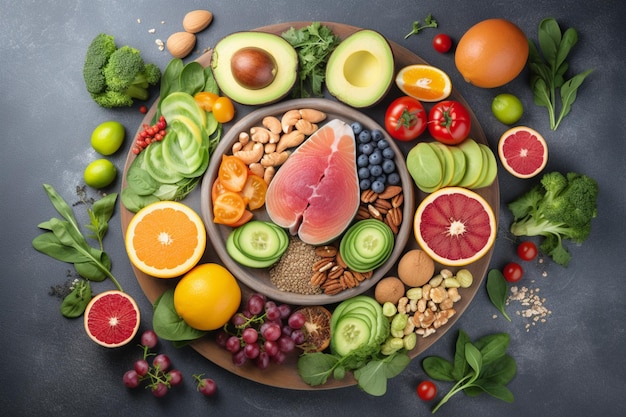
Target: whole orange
pixel 491 53
pixel 207 296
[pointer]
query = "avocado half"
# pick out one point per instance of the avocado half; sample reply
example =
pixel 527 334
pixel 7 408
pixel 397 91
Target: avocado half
pixel 282 53
pixel 360 70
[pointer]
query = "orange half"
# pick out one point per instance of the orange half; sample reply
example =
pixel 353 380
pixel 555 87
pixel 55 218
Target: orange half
pixel 165 239
pixel 424 82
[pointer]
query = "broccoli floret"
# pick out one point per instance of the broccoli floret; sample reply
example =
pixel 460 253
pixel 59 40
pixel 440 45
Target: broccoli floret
pixel 561 207
pixel 114 77
pixel 98 53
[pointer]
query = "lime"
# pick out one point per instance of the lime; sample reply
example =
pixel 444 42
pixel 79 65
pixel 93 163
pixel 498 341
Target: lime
pixel 100 173
pixel 507 108
pixel 107 137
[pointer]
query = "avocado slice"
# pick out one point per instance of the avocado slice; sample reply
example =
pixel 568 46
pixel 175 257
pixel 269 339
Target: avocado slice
pixel 282 55
pixel 360 70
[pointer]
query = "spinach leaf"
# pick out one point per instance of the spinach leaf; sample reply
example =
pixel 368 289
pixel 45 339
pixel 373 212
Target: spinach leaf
pixel 315 368
pixel 192 78
pixel 439 368
pixel 460 364
pixel 75 303
pixel 497 291
pixel 170 81
pixel 99 214
pixel 168 325
pixel 493 347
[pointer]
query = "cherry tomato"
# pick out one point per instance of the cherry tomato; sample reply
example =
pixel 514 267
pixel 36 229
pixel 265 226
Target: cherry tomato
pixel 254 191
pixel 206 99
pixel 527 251
pixel 449 122
pixel 442 43
pixel 232 173
pixel 223 110
pixel 228 208
pixel 513 272
pixel 405 118
pixel 427 390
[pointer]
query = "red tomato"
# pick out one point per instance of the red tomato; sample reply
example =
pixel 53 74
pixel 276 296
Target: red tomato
pixel 405 118
pixel 527 251
pixel 426 390
pixel 442 43
pixel 233 173
pixel 449 122
pixel 513 272
pixel 254 191
pixel 228 208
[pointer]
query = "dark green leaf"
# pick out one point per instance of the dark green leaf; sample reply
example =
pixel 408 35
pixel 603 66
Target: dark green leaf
pixel 94 268
pixel 74 303
pixel 495 389
pixel 103 208
pixel 48 244
pixel 549 40
pixel 135 202
pixel 167 324
pixel 460 363
pixel 438 368
pixel 473 358
pixel 192 78
pixel 61 206
pixel 138 179
pixel 569 90
pixel 569 39
pixel 497 290
pixel 170 81
pixel 493 347
pixel 501 371
pixel 315 368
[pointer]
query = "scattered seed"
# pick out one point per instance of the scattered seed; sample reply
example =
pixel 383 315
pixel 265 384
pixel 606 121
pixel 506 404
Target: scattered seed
pixel 292 273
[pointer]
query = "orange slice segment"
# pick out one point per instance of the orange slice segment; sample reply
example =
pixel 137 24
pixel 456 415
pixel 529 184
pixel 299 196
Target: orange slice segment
pixel 424 82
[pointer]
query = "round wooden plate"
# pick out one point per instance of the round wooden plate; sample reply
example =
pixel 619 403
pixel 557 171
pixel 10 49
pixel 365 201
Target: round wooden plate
pixel 286 375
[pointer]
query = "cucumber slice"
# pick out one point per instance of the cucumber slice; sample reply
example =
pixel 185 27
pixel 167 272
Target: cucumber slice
pixel 365 305
pixel 350 334
pixel 258 240
pixel 366 245
pixel 243 259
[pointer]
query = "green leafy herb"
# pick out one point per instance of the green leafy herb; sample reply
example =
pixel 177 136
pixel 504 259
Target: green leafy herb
pixel 314 44
pixel 429 22
pixel 370 371
pixel 496 289
pixel 548 69
pixel 168 325
pixel 479 367
pixel 75 303
pixel 64 241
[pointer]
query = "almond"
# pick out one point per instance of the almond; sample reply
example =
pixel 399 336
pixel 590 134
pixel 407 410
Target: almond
pixel 197 20
pixel 180 44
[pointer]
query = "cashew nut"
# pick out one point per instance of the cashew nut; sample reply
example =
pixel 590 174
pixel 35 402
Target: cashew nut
pixel 272 124
pixel 274 159
pixel 289 140
pixel 289 120
pixel 252 155
pixel 312 115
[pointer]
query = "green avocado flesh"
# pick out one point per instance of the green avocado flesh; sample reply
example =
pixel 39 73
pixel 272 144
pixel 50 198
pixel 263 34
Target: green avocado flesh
pixel 282 53
pixel 360 70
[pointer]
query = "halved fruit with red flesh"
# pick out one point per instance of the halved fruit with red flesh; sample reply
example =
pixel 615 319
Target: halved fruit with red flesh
pixel 455 226
pixel 112 318
pixel 523 151
pixel 315 193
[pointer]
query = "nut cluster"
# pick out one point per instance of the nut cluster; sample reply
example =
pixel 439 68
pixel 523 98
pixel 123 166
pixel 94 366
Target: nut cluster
pixel 331 274
pixel 431 306
pixel 264 148
pixel 386 206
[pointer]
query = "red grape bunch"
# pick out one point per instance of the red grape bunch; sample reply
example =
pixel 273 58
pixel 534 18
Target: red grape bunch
pixel 262 333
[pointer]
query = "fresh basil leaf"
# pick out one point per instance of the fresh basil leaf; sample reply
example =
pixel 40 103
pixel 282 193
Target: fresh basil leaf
pixel 438 368
pixel 497 291
pixel 168 325
pixel 493 347
pixel 474 359
pixel 460 363
pixel 315 368
pixel 75 303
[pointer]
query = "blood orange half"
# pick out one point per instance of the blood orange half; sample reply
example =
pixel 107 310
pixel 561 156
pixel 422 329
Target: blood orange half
pixel 455 226
pixel 523 151
pixel 112 318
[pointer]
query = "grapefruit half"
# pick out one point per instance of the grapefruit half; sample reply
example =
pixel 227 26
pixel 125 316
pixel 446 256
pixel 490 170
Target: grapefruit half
pixel 112 318
pixel 523 151
pixel 455 226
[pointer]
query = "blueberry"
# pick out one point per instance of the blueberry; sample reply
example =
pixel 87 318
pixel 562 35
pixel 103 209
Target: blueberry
pixel 356 127
pixel 365 136
pixel 365 184
pixel 364 173
pixel 388 166
pixel 382 144
pixel 377 135
pixel 388 153
pixel 393 178
pixel 375 170
pixel 378 187
pixel 381 178
pixel 367 148
pixel 376 158
pixel 362 161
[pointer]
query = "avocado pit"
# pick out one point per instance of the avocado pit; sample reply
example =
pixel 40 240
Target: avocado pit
pixel 253 68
